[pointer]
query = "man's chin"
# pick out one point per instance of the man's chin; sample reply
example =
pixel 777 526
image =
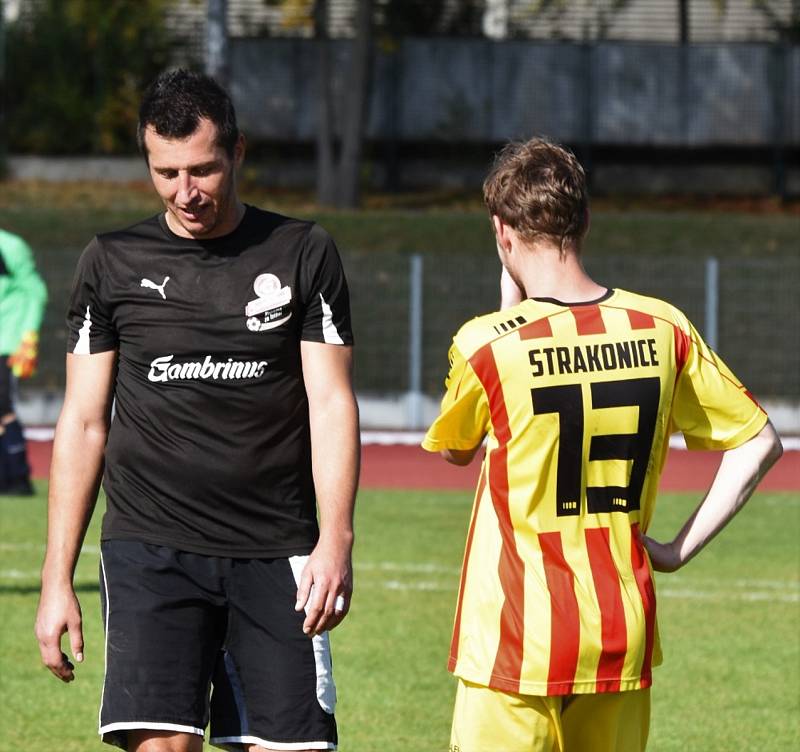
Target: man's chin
pixel 195 228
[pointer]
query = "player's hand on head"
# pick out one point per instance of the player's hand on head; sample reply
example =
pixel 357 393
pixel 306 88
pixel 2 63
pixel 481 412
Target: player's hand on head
pixel 326 587
pixel 59 612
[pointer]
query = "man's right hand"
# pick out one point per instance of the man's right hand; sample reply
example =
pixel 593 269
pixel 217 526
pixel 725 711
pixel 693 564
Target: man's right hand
pixel 59 612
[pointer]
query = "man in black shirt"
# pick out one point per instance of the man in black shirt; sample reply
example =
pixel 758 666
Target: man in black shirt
pixel 222 334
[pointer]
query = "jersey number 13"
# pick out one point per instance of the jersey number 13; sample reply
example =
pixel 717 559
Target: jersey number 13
pixel 567 402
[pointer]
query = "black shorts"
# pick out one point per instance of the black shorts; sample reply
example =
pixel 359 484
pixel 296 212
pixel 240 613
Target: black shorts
pixel 192 637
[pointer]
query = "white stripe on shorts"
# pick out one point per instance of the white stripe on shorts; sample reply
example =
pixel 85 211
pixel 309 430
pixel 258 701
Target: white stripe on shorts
pixel 105 643
pixel 129 725
pixel 326 689
pixel 154 725
pixel 219 741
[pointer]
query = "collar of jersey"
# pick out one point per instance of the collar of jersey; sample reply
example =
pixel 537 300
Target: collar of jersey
pixel 605 296
pixel 207 242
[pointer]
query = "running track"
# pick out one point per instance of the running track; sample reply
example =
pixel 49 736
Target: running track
pixel 408 466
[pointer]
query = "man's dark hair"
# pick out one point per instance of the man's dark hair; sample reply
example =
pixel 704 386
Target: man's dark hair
pixel 178 99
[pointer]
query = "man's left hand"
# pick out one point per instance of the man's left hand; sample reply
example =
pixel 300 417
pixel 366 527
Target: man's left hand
pixel 664 557
pixel 326 586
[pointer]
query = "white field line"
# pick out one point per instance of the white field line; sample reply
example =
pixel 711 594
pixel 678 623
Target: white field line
pixel 706 595
pixel 670 593
pixel 403 438
pixel 88 548
pixel 747 590
pixel 19 574
pixel 390 566
pixel 781 501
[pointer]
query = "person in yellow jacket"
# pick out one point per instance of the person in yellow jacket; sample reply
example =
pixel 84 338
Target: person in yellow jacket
pixel 23 296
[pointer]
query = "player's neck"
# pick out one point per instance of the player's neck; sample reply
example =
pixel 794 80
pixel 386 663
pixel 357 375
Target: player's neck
pixel 548 273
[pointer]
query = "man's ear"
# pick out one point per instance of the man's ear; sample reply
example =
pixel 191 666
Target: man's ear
pixel 239 150
pixel 501 231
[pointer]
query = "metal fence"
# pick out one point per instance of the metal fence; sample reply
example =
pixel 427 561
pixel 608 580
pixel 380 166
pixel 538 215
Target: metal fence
pixel 407 306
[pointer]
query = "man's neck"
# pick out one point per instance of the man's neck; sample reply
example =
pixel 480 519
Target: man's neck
pixel 545 272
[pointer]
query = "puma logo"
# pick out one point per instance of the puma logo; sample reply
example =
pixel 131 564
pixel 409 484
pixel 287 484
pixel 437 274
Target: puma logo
pixel 154 286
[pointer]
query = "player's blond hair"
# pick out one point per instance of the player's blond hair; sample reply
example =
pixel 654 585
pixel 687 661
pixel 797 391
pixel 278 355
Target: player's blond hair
pixel 539 189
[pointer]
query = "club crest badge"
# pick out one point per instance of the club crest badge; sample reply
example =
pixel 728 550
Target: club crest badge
pixel 271 307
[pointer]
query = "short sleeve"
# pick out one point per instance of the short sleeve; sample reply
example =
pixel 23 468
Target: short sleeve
pixel 710 406
pixel 464 416
pixel 326 317
pixel 89 325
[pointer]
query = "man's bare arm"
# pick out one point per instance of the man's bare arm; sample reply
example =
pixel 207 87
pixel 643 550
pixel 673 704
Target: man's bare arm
pixel 74 481
pixel 335 459
pixel 460 457
pixel 739 473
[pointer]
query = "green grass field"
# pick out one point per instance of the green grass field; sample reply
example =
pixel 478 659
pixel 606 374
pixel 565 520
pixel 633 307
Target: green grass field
pixel 64 217
pixel 730 628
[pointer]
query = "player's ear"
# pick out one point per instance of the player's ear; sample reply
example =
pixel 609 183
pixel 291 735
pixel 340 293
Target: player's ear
pixel 239 150
pixel 501 232
pixel 497 226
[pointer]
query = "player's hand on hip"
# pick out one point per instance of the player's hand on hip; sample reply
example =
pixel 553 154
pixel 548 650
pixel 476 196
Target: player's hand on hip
pixel 59 612
pixel 326 587
pixel 664 557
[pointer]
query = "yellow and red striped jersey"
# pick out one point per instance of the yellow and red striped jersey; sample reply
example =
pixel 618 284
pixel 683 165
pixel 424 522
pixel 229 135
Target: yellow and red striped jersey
pixel 577 402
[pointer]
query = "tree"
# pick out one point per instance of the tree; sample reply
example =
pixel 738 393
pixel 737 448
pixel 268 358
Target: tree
pixel 787 29
pixel 400 18
pixel 217 63
pixel 339 164
pixel 79 69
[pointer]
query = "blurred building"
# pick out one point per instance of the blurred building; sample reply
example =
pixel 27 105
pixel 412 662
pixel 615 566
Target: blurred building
pixel 629 20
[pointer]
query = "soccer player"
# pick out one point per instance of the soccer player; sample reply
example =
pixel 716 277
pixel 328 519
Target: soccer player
pixel 576 389
pixel 222 334
pixel 23 297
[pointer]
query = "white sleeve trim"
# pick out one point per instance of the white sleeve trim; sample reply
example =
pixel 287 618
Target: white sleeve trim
pixel 329 331
pixel 82 346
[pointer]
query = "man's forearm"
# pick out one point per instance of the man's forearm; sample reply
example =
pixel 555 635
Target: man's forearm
pixel 336 452
pixel 738 476
pixel 74 482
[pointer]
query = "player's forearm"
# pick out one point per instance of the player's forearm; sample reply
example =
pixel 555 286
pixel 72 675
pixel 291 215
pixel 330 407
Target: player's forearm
pixel 74 482
pixel 336 452
pixel 739 474
pixel 460 457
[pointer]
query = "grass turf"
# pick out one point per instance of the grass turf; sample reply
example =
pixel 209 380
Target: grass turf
pixel 730 627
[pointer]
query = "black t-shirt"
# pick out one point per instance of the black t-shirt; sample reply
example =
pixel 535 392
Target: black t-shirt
pixel 209 448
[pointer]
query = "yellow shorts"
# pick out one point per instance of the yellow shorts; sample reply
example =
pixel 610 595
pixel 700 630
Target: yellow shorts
pixel 488 720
